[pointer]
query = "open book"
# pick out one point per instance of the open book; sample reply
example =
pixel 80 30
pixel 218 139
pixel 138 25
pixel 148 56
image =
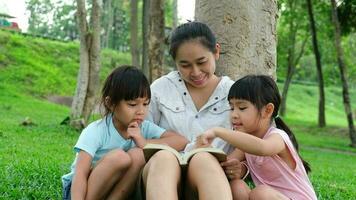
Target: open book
pixel 182 157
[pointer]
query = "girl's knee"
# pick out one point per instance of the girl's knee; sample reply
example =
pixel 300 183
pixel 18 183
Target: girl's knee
pixel 137 157
pixel 265 192
pixel 118 159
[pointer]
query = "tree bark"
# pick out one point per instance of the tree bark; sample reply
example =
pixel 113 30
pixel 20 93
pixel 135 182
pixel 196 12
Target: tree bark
pixel 321 118
pixel 135 57
pixel 343 68
pixel 145 25
pixel 175 14
pixel 88 76
pixel 109 23
pixel 156 39
pixel 246 31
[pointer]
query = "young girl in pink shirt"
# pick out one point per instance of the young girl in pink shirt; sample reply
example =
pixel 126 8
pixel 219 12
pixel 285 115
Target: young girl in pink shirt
pixel 269 146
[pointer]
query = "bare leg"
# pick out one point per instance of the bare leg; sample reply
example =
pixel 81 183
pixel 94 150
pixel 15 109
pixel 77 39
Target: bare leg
pixel 262 192
pixel 126 184
pixel 240 189
pixel 109 169
pixel 161 176
pixel 206 175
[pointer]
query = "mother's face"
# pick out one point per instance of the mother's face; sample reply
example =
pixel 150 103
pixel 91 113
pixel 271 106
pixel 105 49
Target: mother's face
pixel 196 63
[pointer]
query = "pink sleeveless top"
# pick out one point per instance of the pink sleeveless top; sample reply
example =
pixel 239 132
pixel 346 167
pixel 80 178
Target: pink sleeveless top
pixel 274 172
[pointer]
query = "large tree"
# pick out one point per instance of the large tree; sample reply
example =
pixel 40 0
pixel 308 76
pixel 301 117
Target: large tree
pixel 246 31
pixel 135 55
pixel 145 25
pixel 321 117
pixel 342 67
pixel 88 76
pixel 156 39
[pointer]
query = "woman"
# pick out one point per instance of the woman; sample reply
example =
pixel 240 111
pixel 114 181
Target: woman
pixel 190 101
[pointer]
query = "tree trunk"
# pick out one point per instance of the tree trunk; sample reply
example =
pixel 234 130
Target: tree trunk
pixel 88 77
pixel 246 31
pixel 321 118
pixel 109 23
pixel 342 67
pixel 145 24
pixel 156 39
pixel 175 14
pixel 135 57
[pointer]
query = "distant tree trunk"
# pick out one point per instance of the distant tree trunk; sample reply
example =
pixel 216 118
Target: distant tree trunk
pixel 135 57
pixel 175 14
pixel 321 119
pixel 343 68
pixel 145 25
pixel 109 23
pixel 292 62
pixel 246 31
pixel 156 39
pixel 88 76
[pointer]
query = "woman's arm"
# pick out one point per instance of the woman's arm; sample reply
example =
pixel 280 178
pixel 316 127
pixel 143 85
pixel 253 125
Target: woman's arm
pixel 172 139
pixel 81 175
pixel 272 145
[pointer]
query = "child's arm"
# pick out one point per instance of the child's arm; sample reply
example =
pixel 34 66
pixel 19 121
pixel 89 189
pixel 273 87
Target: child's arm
pixel 134 132
pixel 272 145
pixel 80 179
pixel 172 139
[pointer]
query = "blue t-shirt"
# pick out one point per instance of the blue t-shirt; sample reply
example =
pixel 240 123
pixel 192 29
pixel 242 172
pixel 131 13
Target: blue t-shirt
pixel 101 137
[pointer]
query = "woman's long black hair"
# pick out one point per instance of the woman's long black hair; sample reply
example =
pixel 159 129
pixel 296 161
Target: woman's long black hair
pixel 261 90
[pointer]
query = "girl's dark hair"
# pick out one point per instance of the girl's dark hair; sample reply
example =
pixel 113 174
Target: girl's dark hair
pixel 261 90
pixel 192 31
pixel 124 83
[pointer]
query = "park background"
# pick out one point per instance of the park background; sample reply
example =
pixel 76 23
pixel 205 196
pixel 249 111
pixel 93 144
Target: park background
pixel 39 71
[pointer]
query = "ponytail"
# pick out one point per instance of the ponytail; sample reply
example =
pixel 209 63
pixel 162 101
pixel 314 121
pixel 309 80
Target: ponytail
pixel 281 125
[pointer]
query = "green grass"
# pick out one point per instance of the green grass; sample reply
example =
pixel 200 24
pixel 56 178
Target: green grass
pixel 33 158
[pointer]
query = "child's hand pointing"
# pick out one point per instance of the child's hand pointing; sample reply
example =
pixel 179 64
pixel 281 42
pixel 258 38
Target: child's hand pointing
pixel 206 138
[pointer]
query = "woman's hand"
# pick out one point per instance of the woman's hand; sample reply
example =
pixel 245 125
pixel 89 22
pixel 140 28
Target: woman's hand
pixel 134 132
pixel 233 168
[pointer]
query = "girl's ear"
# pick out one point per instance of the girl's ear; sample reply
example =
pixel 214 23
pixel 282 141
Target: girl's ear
pixel 108 103
pixel 217 53
pixel 268 110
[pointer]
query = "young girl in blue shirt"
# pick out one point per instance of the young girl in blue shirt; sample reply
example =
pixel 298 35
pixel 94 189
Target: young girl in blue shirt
pixel 109 153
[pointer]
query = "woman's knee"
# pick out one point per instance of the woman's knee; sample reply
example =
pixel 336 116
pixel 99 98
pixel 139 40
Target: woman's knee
pixel 163 158
pixel 204 160
pixel 161 163
pixel 117 159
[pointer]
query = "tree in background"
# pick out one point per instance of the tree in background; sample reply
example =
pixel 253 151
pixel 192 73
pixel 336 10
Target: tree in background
pixel 156 39
pixel 292 21
pixel 321 116
pixel 246 31
pixel 52 18
pixel 145 25
pixel 88 76
pixel 135 55
pixel 342 67
pixel 108 20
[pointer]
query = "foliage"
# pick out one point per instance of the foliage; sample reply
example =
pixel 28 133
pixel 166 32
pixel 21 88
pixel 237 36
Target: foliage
pixel 347 16
pixel 306 70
